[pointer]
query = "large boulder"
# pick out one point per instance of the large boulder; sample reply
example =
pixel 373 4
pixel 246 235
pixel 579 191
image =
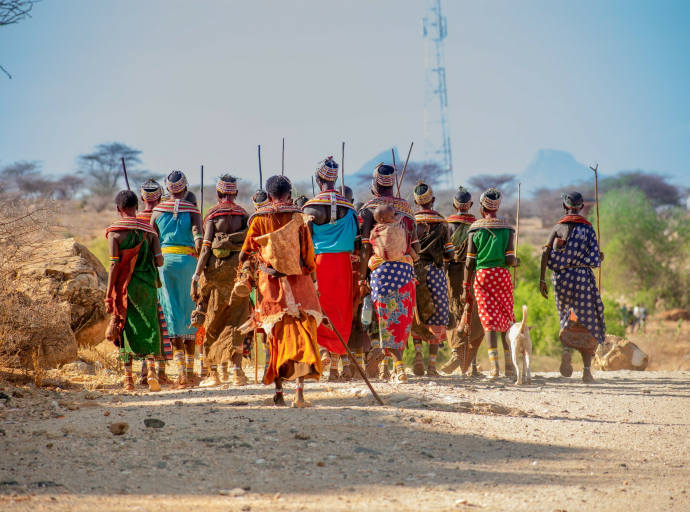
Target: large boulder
pixel 674 315
pixel 619 354
pixel 69 272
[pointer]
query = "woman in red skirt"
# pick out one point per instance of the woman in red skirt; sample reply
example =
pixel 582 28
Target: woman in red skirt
pixel 490 252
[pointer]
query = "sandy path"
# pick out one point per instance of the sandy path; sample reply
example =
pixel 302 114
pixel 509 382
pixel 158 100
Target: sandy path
pixel 621 444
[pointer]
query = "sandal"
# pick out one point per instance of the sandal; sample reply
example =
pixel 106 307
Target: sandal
pixel 400 378
pixel 375 358
pixel 451 365
pixel 301 405
pixel 418 368
pixel 566 368
pixel 384 372
pixel 431 371
pixel 152 381
pixel 128 384
pixel 182 382
pixel 494 374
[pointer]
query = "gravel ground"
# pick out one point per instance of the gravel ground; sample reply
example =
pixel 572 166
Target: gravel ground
pixel 451 444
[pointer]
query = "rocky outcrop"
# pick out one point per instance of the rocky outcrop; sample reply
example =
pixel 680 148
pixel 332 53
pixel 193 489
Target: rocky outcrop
pixel 68 271
pixel 673 315
pixel 619 354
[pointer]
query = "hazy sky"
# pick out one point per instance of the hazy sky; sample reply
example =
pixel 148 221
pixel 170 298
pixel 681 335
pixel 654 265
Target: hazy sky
pixel 193 83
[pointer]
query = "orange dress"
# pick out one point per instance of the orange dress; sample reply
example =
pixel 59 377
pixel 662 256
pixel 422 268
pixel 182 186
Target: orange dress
pixel 288 306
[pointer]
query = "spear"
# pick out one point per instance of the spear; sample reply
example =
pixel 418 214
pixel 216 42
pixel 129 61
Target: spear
pixel 282 172
pixel 596 199
pixel 201 200
pixel 342 172
pixel 403 173
pixel 124 169
pixel 261 179
pixel 517 235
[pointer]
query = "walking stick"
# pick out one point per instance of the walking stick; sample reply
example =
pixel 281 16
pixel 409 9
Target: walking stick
pixel 261 179
pixel 256 358
pixel 596 199
pixel 403 173
pixel 313 190
pixel 342 172
pixel 124 169
pixel 201 200
pixel 396 177
pixel 282 171
pixel 352 358
pixel 517 236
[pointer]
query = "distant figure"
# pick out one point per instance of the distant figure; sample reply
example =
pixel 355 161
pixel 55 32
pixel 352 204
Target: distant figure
pixel 635 319
pixel 643 318
pixel 624 316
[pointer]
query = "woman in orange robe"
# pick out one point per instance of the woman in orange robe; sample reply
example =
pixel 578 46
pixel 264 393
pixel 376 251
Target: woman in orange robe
pixel 288 305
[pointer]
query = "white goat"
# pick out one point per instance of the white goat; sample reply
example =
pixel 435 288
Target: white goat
pixel 521 343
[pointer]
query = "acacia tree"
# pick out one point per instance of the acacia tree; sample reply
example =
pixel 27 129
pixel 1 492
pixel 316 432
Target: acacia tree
pixel 13 11
pixel 103 168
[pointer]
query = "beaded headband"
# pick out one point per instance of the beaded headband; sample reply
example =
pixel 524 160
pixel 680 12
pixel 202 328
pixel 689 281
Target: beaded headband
pixel 259 204
pixel 458 204
pixel 426 196
pixel 226 187
pixel 177 186
pixel 327 169
pixel 570 203
pixel 385 180
pixel 490 204
pixel 150 191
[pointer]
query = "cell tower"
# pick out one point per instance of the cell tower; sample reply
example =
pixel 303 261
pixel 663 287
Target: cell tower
pixel 436 124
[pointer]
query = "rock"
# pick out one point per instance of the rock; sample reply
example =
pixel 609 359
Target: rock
pixel 76 367
pixel 71 273
pixel 154 423
pixel 673 315
pixel 92 395
pixel 233 492
pixel 117 429
pixel 619 354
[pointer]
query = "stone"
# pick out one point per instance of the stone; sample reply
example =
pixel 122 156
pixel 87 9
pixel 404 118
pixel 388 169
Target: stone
pixel 117 429
pixel 70 272
pixel 92 395
pixel 236 492
pixel 76 367
pixel 619 354
pixel 154 423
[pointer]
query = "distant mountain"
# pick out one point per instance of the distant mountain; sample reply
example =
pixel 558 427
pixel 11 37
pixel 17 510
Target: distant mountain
pixel 366 171
pixel 552 168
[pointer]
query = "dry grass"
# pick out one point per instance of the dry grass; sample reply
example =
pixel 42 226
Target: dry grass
pixel 27 324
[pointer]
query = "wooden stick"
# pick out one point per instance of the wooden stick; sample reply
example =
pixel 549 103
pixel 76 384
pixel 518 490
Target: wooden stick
pixel 342 172
pixel 396 176
pixel 403 173
pixel 313 189
pixel 352 358
pixel 201 200
pixel 124 169
pixel 517 236
pixel 282 171
pixel 256 358
pixel 596 199
pixel 261 178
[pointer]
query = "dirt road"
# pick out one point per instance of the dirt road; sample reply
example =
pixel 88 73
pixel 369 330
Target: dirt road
pixel 451 444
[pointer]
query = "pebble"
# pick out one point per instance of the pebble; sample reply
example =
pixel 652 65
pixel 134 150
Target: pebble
pixel 260 461
pixel 117 429
pixel 236 492
pixel 460 502
pixel 154 423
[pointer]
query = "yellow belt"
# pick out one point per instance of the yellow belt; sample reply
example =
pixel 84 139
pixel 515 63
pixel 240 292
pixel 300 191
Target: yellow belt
pixel 179 249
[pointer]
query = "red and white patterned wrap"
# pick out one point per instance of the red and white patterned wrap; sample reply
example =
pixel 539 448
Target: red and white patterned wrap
pixel 493 289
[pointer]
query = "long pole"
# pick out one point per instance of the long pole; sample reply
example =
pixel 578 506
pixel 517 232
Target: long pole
pixel 352 358
pixel 596 199
pixel 342 172
pixel 201 200
pixel 395 170
pixel 124 169
pixel 261 178
pixel 517 235
pixel 282 172
pixel 256 358
pixel 313 189
pixel 403 173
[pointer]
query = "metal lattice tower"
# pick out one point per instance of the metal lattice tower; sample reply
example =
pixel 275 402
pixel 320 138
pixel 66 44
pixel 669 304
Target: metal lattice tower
pixel 436 123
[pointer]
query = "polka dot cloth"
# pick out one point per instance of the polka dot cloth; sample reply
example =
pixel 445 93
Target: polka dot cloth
pixel 575 288
pixel 394 294
pixel 493 290
pixel 438 286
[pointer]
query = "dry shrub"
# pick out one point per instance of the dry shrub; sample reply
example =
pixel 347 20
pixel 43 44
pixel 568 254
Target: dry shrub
pixel 107 357
pixel 27 324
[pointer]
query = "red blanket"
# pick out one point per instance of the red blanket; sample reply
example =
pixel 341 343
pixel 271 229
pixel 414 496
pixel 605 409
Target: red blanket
pixel 334 274
pixel 493 289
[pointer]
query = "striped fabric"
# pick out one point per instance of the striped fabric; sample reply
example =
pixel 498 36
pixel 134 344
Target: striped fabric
pixel 167 344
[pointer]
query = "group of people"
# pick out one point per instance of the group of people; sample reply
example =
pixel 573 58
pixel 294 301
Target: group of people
pixel 310 277
pixel 634 317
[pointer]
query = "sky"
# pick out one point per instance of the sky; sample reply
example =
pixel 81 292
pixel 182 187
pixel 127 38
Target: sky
pixel 192 83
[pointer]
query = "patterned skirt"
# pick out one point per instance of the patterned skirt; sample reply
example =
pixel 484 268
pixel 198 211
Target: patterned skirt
pixel 493 289
pixel 438 286
pixel 576 290
pixel 394 292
